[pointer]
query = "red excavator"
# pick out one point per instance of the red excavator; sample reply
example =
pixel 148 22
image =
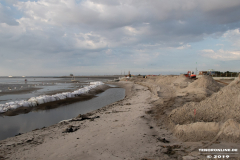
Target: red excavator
pixel 190 74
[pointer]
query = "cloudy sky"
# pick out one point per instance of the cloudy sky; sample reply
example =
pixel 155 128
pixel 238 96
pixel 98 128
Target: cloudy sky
pixel 89 37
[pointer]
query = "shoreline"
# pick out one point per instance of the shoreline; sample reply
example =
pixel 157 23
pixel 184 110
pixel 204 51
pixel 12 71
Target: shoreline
pixel 124 120
pixel 58 103
pixel 126 129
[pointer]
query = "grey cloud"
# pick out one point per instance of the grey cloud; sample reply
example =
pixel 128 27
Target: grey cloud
pixel 53 28
pixel 164 18
pixel 6 16
pixel 107 2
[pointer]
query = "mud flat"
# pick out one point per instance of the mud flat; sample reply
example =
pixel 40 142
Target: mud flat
pixel 137 127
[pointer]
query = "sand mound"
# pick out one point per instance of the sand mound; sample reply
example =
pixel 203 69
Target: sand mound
pixel 165 80
pixel 220 107
pixel 198 90
pixel 210 131
pixel 182 81
pixel 182 78
pixel 230 131
pixel 158 85
pixel 197 131
pixel 206 82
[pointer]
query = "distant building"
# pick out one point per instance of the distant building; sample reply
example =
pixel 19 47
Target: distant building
pixel 218 73
pixel 202 72
pixel 71 74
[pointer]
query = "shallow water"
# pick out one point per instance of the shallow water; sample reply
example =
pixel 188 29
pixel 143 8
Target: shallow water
pixel 45 85
pixel 11 126
pixel 29 80
pixel 25 96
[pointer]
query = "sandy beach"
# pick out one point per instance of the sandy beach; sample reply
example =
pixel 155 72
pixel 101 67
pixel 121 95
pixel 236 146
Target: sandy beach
pixel 137 127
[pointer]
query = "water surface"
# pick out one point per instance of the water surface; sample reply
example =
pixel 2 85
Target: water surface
pixel 10 126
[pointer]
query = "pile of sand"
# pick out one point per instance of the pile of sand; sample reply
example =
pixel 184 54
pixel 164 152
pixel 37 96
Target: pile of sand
pixel 209 131
pixel 198 90
pixel 182 81
pixel 197 131
pixel 165 80
pixel 206 82
pixel 220 107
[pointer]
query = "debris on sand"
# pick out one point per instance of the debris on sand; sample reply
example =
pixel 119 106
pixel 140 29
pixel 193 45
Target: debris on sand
pixel 170 149
pixel 18 134
pixel 71 129
pixel 80 117
pixel 163 140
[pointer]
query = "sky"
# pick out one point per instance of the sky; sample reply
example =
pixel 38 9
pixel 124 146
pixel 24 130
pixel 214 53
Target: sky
pixel 103 37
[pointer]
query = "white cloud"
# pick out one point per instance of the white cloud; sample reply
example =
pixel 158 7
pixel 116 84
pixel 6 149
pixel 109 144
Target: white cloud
pixel 90 41
pixel 231 33
pixel 208 51
pixel 223 55
pixel 184 46
pixel 233 36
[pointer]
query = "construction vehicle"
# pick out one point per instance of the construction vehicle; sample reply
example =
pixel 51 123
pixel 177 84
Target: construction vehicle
pixel 190 74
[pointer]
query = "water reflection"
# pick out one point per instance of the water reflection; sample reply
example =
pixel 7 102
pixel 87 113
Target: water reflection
pixel 11 126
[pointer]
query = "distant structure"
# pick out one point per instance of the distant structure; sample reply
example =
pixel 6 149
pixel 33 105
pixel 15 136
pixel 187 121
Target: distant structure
pixel 218 73
pixel 196 69
pixel 129 75
pixel 71 74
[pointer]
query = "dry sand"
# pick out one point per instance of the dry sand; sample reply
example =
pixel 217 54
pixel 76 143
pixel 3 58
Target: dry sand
pixel 199 111
pixel 137 127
